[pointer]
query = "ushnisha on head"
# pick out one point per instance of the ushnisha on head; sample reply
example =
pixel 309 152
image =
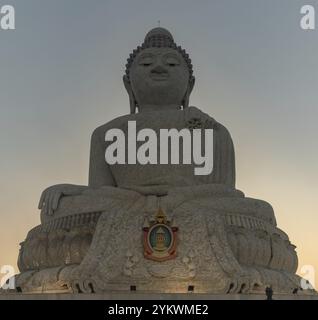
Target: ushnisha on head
pixel 158 74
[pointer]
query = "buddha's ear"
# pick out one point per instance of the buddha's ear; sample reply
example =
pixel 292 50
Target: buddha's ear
pixel 132 100
pixel 185 101
pixel 191 84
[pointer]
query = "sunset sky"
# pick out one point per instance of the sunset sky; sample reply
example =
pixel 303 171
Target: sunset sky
pixel 256 72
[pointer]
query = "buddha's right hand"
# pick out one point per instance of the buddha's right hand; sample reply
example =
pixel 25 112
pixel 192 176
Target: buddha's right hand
pixel 51 196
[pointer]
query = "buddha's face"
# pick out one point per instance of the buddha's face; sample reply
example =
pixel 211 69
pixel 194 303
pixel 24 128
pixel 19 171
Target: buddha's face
pixel 159 77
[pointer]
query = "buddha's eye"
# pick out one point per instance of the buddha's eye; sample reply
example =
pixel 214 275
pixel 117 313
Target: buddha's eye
pixel 172 62
pixel 146 62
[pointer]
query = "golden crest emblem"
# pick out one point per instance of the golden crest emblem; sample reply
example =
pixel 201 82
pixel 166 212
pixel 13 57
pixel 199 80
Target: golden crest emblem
pixel 160 238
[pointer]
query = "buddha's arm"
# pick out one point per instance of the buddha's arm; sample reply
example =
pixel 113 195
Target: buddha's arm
pixel 99 175
pixel 223 149
pixel 99 171
pixel 224 157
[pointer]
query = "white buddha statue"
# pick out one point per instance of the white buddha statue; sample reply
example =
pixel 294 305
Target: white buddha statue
pixel 90 237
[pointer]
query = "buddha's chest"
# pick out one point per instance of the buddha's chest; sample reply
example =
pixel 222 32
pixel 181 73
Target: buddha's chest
pixel 156 121
pixel 154 145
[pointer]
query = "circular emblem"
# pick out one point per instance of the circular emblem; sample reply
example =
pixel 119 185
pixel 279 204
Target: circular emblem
pixel 160 238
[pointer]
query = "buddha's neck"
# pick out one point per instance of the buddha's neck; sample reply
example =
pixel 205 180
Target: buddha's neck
pixel 156 107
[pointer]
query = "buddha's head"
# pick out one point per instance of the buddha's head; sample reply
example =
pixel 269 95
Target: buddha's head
pixel 158 74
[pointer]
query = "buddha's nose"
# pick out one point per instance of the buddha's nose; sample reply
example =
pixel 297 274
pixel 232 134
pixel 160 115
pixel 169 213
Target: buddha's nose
pixel 159 70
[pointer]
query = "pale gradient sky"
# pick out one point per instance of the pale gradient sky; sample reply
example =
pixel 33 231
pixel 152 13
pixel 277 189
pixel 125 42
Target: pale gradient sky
pixel 256 72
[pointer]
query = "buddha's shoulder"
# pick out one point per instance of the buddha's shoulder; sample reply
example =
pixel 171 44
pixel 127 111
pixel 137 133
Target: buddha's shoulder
pixel 115 123
pixel 158 117
pixel 194 112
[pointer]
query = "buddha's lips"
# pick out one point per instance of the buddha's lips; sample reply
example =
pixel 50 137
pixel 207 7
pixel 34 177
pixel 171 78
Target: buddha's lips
pixel 159 77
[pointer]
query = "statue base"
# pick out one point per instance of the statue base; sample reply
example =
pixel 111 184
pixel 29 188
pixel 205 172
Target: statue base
pixel 154 296
pixel 209 237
